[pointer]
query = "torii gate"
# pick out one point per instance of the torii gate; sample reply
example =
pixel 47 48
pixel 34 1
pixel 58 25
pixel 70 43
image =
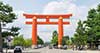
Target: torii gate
pixel 34 24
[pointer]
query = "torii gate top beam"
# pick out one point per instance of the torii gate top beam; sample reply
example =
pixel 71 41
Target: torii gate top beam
pixel 49 16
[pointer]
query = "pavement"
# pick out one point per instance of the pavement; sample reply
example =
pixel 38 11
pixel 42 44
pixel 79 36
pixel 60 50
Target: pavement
pixel 47 50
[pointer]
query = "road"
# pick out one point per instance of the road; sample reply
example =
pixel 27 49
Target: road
pixel 47 50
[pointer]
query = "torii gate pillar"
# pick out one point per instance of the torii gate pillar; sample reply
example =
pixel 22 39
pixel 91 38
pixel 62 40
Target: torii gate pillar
pixel 34 32
pixel 60 31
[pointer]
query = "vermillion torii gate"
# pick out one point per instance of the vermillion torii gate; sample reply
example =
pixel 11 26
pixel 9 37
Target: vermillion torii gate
pixel 34 23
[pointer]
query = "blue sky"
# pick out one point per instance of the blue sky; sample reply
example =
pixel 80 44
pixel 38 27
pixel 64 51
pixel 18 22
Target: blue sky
pixel 79 9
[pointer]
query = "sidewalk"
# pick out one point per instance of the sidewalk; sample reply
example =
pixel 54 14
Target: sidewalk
pixel 87 51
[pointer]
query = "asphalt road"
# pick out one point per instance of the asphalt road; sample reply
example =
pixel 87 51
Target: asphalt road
pixel 47 50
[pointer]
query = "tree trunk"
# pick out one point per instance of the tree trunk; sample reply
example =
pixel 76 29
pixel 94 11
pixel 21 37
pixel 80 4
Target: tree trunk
pixel 1 40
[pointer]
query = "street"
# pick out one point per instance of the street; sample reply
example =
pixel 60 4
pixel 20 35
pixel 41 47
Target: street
pixel 47 50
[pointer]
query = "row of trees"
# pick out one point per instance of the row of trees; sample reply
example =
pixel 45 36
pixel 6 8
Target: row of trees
pixel 20 41
pixel 88 32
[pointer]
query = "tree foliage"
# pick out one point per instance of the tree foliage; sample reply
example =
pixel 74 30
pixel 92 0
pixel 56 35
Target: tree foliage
pixel 54 38
pixel 54 41
pixel 14 31
pixel 80 37
pixel 6 16
pixel 6 13
pixel 93 25
pixel 18 41
pixel 65 40
pixel 89 30
pixel 28 42
pixel 54 34
pixel 40 41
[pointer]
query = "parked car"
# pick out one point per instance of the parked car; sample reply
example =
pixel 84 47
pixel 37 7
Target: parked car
pixel 56 47
pixel 50 46
pixel 40 46
pixel 35 47
pixel 18 49
pixel 64 47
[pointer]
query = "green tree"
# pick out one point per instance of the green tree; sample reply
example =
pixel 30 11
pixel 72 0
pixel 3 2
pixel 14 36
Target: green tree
pixel 54 34
pixel 93 25
pixel 54 40
pixel 65 40
pixel 28 42
pixel 18 41
pixel 80 37
pixel 14 31
pixel 6 16
pixel 40 41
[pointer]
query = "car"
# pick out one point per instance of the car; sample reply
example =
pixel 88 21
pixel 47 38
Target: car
pixel 64 47
pixel 36 47
pixel 40 46
pixel 56 47
pixel 18 49
pixel 50 46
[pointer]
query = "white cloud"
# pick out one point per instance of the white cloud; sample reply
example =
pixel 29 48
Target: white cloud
pixel 65 7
